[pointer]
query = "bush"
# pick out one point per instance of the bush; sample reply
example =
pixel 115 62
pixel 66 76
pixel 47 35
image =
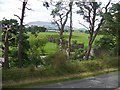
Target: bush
pixel 73 67
pixel 78 55
pixel 36 50
pixel 59 59
pixel 92 65
pixel 111 62
pixel 106 46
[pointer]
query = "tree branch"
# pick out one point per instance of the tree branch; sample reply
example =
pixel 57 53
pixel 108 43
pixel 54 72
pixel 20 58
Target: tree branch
pixel 101 22
pixel 28 8
pixel 17 16
pixel 66 18
pixel 57 24
pixel 84 25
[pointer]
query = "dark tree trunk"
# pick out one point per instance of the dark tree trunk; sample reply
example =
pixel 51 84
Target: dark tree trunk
pixel 70 36
pixel 20 47
pixel 6 49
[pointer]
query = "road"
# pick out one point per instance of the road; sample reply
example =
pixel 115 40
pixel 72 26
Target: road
pixel 104 81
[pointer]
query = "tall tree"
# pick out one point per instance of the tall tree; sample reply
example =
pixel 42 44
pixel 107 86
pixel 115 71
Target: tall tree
pixel 60 16
pixel 70 36
pixel 20 42
pixel 91 13
pixel 9 28
pixel 112 23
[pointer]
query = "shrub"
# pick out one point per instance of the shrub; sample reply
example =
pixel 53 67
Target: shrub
pixel 73 67
pixel 36 50
pixel 59 59
pixel 78 55
pixel 106 46
pixel 110 62
pixel 92 65
pixel 48 59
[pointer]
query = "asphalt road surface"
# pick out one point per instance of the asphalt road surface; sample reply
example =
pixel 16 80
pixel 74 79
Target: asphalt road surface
pixel 104 81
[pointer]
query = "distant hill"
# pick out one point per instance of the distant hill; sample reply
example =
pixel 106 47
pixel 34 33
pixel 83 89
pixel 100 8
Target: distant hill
pixel 47 25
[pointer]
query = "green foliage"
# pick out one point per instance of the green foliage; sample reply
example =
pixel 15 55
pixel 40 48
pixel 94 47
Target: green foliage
pixel 13 52
pixel 36 50
pixel 59 9
pixel 13 27
pixel 56 60
pixel 25 48
pixel 68 67
pixel 13 56
pixel 74 42
pixel 106 44
pixel 12 24
pixel 111 62
pixel 113 22
pixel 35 29
pixel 38 42
pixel 92 65
pixel 49 59
pixel 112 19
pixel 78 55
pixel 73 67
pixel 14 74
pixel 59 59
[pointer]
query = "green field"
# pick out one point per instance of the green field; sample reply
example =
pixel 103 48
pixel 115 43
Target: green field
pixel 52 47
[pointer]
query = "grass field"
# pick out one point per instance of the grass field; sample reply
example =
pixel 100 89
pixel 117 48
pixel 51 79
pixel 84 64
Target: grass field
pixel 52 47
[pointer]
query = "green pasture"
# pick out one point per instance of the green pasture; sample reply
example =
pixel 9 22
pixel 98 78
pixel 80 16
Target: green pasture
pixel 52 47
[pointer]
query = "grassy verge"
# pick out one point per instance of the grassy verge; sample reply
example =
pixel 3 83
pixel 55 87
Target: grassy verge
pixel 42 81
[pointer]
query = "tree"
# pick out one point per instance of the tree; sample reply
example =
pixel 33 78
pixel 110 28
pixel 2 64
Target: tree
pixel 36 29
pixel 70 36
pixel 9 28
pixel 112 23
pixel 91 12
pixel 60 16
pixel 20 41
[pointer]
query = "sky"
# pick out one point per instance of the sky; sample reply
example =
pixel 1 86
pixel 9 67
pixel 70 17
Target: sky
pixel 10 7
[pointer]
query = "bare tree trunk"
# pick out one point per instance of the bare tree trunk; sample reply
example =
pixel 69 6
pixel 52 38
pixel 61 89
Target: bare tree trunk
pixel 21 37
pixel 61 38
pixel 89 49
pixel 6 49
pixel 70 36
